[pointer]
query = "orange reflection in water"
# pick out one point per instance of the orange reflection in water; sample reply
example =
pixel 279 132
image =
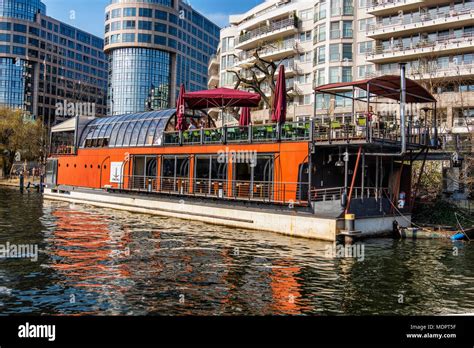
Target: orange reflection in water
pixel 285 289
pixel 87 249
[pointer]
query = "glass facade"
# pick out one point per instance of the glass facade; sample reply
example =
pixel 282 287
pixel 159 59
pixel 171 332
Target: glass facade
pixel 169 3
pixel 21 9
pixel 139 75
pixel 12 83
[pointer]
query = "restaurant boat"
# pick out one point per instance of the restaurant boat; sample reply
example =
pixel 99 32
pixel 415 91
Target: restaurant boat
pixel 318 179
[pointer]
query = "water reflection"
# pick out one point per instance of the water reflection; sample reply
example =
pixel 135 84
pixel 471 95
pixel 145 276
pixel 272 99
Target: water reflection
pixel 96 261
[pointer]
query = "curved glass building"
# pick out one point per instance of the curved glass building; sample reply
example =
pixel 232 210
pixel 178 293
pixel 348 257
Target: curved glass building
pixel 153 46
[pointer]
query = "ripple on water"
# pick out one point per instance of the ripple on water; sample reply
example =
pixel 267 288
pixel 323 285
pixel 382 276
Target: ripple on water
pixel 97 261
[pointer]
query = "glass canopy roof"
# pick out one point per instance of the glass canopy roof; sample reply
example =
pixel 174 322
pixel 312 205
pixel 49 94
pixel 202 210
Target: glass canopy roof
pixel 131 130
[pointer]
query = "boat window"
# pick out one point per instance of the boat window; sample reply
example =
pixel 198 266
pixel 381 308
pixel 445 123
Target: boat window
pixel 253 176
pixel 210 176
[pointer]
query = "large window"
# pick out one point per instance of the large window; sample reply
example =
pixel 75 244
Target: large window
pixel 144 173
pixel 175 174
pixel 210 176
pixel 254 180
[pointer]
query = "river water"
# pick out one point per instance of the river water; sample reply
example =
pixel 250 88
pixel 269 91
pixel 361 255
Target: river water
pixel 95 261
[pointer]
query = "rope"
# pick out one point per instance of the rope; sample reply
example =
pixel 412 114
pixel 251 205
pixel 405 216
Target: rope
pixel 460 226
pixel 403 216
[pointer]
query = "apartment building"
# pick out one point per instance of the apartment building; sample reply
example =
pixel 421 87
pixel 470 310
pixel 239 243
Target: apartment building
pixel 314 40
pixel 329 41
pixel 45 63
pixel 436 40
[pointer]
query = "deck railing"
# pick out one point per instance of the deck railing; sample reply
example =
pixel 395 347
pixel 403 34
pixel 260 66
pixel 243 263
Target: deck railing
pixel 317 131
pixel 336 193
pixel 421 18
pixel 241 190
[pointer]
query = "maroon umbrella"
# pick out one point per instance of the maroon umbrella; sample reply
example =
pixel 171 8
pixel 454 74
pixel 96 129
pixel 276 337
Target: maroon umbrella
pixel 244 116
pixel 180 115
pixel 279 102
pixel 221 98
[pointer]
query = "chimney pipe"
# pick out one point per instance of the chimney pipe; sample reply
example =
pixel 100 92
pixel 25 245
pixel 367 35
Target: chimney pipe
pixel 403 99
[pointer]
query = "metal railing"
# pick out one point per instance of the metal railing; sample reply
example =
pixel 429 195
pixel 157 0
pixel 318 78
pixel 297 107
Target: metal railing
pixel 439 42
pixel 376 3
pixel 269 49
pixel 363 130
pixel 241 190
pixel 422 18
pixel 336 193
pixel 274 26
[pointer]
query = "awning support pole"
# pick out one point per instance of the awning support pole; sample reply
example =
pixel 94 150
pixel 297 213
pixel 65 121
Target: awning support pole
pixel 354 176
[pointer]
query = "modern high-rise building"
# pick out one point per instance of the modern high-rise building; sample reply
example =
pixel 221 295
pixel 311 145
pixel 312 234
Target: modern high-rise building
pixel 44 62
pixel 330 41
pixel 153 46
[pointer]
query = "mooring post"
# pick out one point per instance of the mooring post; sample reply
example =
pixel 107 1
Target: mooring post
pixel 22 182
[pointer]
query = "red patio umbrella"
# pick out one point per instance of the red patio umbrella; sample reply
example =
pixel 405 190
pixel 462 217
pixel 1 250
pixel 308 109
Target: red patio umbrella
pixel 279 102
pixel 244 116
pixel 180 112
pixel 221 98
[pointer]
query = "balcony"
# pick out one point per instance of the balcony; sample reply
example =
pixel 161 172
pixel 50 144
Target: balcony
pixel 437 72
pixel 214 62
pixel 276 51
pixel 213 81
pixel 291 69
pixel 267 32
pixel 384 7
pixel 443 45
pixel 295 90
pixel 413 24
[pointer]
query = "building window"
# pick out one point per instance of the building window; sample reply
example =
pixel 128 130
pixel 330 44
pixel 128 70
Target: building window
pixel 162 28
pixel 346 74
pixel 161 15
pixel 115 26
pixel 322 33
pixel 145 12
pixel 335 30
pixel 334 75
pixel 365 47
pixel 129 24
pixel 144 25
pixel 128 37
pixel 347 29
pixel 321 77
pixel 321 54
pixel 306 15
pixel 116 13
pixel 306 36
pixel 334 53
pixel 144 38
pixel 129 12
pixel 347 52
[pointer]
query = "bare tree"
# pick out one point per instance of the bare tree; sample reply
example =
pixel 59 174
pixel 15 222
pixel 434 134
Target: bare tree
pixel 261 73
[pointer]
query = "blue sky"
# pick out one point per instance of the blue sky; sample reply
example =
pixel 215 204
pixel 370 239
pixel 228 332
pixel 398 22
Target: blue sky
pixel 89 14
